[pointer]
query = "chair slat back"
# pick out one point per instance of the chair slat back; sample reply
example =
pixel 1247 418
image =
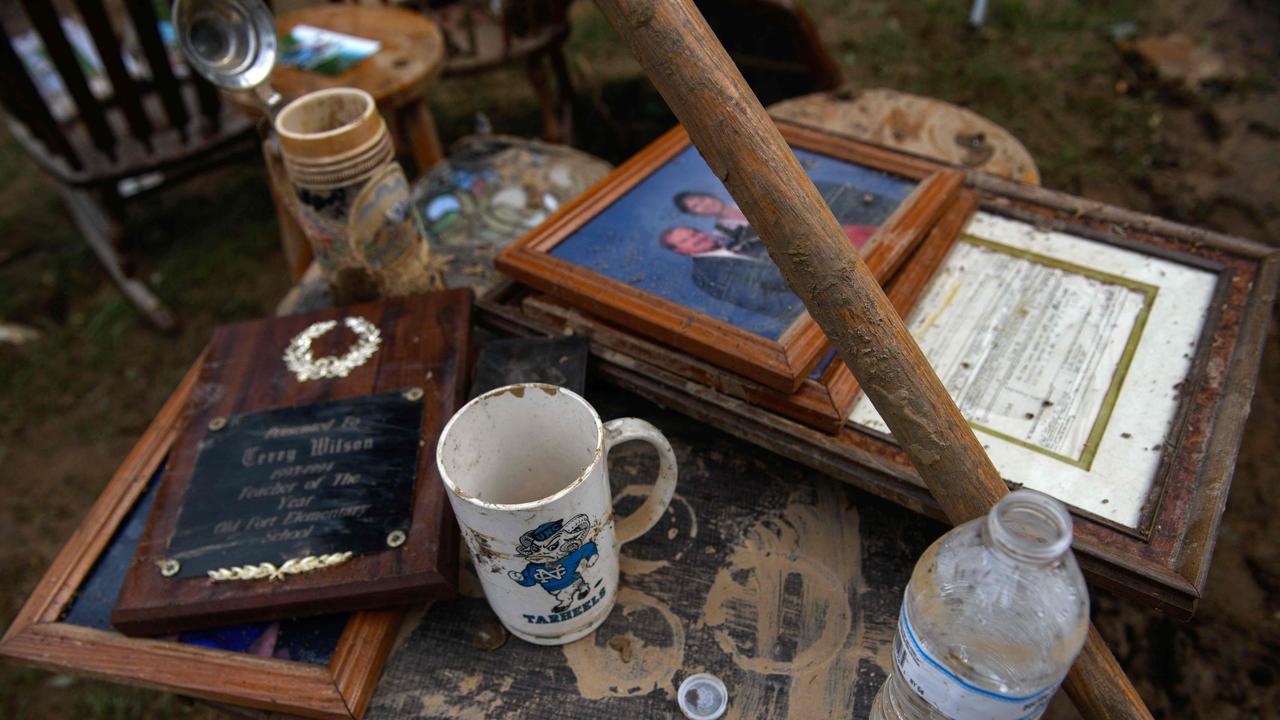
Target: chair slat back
pixel 44 16
pixel 22 99
pixel 147 111
pixel 126 91
pixel 529 18
pixel 210 101
pixel 146 25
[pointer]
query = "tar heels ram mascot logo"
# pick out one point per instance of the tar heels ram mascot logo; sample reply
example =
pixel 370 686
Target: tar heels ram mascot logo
pixel 556 553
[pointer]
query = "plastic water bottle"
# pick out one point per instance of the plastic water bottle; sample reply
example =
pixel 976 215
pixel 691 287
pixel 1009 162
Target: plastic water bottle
pixel 992 619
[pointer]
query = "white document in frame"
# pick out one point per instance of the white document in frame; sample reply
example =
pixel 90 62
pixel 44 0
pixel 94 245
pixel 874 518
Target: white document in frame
pixel 1064 354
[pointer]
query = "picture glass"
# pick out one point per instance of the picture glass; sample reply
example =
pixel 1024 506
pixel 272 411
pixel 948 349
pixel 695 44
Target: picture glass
pixel 1065 355
pixel 310 640
pixel 678 235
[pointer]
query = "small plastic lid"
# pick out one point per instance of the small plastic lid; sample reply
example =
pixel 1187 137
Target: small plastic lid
pixel 702 697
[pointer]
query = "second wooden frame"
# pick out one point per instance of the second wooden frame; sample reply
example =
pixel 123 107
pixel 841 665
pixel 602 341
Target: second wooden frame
pixel 782 364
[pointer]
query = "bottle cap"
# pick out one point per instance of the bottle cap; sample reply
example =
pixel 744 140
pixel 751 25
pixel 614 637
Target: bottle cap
pixel 702 697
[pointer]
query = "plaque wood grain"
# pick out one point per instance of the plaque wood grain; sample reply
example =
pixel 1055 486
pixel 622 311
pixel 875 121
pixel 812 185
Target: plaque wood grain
pixel 40 636
pixel 782 364
pixel 424 344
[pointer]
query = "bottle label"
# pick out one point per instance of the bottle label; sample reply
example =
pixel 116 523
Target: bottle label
pixel 953 696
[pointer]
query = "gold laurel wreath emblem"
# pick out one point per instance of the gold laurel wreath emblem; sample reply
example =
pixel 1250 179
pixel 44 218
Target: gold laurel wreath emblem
pixel 299 360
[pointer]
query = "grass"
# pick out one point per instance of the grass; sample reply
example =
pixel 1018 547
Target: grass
pixel 1045 71
pixel 206 247
pixel 72 403
pixel 28 693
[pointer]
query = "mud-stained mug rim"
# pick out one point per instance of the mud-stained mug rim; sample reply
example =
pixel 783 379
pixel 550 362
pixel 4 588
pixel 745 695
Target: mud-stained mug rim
pixel 357 171
pixel 596 457
pixel 351 157
pixel 355 134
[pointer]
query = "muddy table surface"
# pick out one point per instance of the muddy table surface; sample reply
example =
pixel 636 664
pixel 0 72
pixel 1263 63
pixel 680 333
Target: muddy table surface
pixel 781 581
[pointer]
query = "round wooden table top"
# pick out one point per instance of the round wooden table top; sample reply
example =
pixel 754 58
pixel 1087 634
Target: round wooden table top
pixel 915 124
pixel 411 56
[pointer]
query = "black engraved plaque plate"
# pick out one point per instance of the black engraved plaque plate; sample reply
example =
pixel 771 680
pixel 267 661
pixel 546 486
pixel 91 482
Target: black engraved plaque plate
pixel 300 481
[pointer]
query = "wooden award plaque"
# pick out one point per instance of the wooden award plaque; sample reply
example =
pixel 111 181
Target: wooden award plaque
pixel 304 479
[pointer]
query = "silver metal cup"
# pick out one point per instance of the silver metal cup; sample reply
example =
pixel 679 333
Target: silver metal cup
pixel 231 43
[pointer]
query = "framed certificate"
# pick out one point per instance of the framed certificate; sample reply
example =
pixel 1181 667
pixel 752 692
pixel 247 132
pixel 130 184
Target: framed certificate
pixel 1068 356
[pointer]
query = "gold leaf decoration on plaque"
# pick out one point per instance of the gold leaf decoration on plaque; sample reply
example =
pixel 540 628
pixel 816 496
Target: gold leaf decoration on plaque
pixel 292 566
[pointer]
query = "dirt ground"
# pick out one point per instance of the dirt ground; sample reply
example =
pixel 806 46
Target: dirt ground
pixel 1098 122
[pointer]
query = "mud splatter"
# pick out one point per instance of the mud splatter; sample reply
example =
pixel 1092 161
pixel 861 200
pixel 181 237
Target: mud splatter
pixel 781 606
pixel 481 546
pixel 604 671
pixel 635 566
pixel 682 531
pixel 469 684
pixel 622 643
pixel 483 697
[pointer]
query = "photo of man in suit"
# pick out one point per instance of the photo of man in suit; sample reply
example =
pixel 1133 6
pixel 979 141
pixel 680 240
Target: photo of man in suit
pixel 859 213
pixel 677 236
pixel 731 263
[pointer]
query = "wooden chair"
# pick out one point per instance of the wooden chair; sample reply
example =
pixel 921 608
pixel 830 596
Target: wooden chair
pixel 107 145
pixel 774 44
pixel 481 36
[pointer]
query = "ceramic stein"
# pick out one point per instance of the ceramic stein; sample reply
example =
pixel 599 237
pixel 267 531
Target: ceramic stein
pixel 353 199
pixel 526 470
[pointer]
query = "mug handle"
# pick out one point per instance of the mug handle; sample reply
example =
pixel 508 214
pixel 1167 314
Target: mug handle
pixel 638 523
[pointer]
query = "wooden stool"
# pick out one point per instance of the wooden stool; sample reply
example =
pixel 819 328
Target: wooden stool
pixel 485 36
pixel 397 76
pixel 915 124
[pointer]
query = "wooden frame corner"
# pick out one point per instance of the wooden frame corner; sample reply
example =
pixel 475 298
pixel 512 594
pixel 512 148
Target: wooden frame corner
pixel 340 689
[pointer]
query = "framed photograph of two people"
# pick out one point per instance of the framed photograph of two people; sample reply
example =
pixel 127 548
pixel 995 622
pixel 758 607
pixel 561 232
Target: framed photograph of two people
pixel 659 248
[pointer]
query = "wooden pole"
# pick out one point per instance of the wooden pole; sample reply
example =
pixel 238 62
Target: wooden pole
pixel 729 127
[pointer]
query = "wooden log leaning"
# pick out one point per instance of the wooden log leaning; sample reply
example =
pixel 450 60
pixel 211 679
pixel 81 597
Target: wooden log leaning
pixel 694 74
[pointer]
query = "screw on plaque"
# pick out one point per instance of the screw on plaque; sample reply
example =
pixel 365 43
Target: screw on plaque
pixel 169 568
pixel 396 538
pixel 413 394
pixel 217 423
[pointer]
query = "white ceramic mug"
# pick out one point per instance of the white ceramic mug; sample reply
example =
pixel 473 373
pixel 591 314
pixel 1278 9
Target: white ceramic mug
pixel 528 479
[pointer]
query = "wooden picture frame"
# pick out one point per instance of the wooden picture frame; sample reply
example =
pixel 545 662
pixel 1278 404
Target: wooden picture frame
pixel 1165 564
pixel 342 688
pixel 782 364
pixel 425 339
pixel 824 399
